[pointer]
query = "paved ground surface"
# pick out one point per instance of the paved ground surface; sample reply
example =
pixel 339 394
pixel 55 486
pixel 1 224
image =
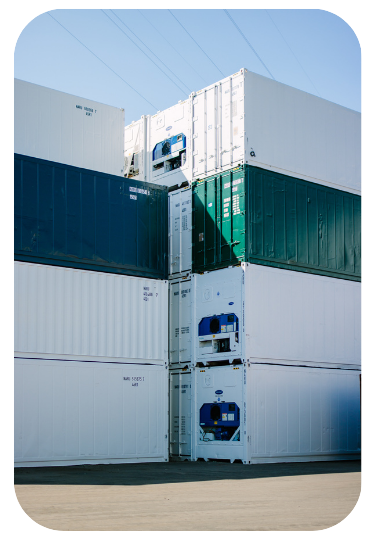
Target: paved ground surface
pixel 190 496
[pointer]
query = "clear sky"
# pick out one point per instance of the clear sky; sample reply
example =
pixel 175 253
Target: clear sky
pixel 312 50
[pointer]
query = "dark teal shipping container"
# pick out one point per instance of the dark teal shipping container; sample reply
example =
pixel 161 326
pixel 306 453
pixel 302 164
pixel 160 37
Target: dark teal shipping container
pixel 75 217
pixel 254 215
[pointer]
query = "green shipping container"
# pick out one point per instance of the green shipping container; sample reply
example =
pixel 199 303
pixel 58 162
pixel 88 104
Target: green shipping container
pixel 254 215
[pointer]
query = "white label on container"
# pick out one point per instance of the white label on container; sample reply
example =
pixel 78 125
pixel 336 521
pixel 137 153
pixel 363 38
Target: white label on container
pixel 210 204
pixel 231 417
pixel 227 185
pixel 224 417
pixel 223 329
pixel 226 215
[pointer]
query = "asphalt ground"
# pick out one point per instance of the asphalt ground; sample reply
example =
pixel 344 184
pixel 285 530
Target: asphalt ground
pixel 190 496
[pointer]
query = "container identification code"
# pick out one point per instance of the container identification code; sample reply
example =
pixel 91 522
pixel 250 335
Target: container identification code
pixel 147 294
pixel 134 380
pixel 139 190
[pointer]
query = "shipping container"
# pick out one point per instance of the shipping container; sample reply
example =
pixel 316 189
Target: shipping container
pixel 157 147
pixel 251 214
pixel 136 148
pixel 179 322
pixel 71 314
pixel 180 413
pixel 262 413
pixel 80 218
pixel 179 234
pixel 73 412
pixel 250 119
pixel 56 126
pixel 262 314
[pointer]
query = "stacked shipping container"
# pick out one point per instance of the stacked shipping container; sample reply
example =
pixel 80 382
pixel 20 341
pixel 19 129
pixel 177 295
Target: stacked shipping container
pixel 259 197
pixel 91 299
pixel 263 268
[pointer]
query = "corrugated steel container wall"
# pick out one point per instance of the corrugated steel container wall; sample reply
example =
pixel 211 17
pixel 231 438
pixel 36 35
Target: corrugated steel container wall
pixel 80 218
pixel 180 324
pixel 297 412
pixel 180 414
pixel 64 313
pixel 248 118
pixel 179 235
pixel 286 413
pixel 297 318
pixel 255 215
pixel 68 413
pixel 56 126
pixel 136 141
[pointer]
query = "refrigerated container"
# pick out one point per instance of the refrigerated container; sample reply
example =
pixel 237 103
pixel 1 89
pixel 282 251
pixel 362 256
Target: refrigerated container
pixel 157 146
pixel 179 232
pixel 136 149
pixel 250 119
pixel 180 413
pixel 266 413
pixel 263 217
pixel 76 315
pixel 56 126
pixel 84 412
pixel 262 314
pixel 179 322
pixel 75 217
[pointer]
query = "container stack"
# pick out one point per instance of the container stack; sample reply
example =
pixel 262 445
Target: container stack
pixel 91 290
pixel 274 307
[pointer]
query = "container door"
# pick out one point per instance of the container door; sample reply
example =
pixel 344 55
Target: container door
pixel 205 223
pixel 174 204
pixel 185 415
pixel 174 413
pixel 185 231
pixel 210 129
pixel 199 195
pixel 225 106
pixel 199 135
pixel 174 330
pixel 184 355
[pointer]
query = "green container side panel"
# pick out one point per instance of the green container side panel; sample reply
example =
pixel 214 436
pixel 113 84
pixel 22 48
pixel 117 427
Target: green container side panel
pixel 259 216
pixel 74 217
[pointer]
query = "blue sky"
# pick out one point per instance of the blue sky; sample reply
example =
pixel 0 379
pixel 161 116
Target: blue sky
pixel 312 50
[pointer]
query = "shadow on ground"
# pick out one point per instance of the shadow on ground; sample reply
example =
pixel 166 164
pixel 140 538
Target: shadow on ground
pixel 172 473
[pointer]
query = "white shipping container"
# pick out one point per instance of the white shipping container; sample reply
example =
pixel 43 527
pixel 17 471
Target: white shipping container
pixel 180 413
pixel 180 232
pixel 259 313
pixel 248 118
pixel 261 413
pixel 136 149
pixel 180 325
pixel 59 127
pixel 73 314
pixel 73 412
pixel 157 147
